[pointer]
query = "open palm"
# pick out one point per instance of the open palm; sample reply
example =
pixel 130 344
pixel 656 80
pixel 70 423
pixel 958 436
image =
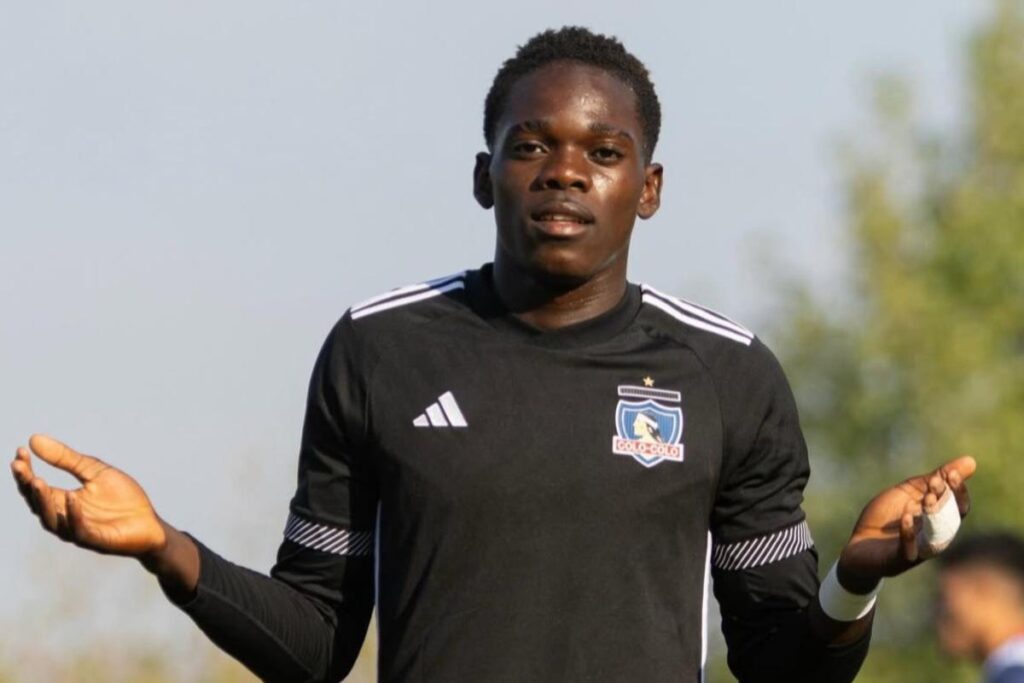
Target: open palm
pixel 110 513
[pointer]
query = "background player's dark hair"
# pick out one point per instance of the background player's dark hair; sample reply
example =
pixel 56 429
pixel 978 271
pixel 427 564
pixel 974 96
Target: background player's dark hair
pixel 578 44
pixel 1000 550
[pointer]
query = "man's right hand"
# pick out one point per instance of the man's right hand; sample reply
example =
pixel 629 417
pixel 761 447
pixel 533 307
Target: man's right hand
pixel 110 513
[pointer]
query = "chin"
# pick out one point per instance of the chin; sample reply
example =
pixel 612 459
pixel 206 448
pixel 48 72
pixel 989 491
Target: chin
pixel 559 269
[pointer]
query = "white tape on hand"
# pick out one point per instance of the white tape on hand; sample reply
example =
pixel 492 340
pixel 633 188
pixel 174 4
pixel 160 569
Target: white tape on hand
pixel 939 527
pixel 842 605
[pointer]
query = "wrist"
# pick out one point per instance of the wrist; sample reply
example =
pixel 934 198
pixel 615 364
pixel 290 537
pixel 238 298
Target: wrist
pixel 157 557
pixel 854 582
pixel 175 562
pixel 840 603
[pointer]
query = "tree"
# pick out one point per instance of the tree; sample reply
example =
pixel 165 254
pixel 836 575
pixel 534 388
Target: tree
pixel 925 358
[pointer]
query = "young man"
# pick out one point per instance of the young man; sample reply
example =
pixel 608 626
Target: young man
pixel 981 604
pixel 471 460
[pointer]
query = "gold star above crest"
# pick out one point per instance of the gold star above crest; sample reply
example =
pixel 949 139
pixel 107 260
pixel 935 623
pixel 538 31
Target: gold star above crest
pixel 648 381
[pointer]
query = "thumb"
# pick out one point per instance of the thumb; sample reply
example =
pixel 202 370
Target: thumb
pixel 53 452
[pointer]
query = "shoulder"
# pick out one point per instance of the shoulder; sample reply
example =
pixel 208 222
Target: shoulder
pixel 1006 664
pixel 693 321
pixel 723 345
pixel 406 306
pixel 412 301
pixel 369 326
pixel 1011 674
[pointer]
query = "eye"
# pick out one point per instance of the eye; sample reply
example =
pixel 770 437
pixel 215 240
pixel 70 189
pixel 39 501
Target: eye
pixel 606 154
pixel 527 148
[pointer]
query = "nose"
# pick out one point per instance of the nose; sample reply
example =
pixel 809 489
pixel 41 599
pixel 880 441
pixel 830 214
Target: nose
pixel 564 169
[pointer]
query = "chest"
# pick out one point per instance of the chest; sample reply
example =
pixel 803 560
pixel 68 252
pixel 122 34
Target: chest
pixel 481 431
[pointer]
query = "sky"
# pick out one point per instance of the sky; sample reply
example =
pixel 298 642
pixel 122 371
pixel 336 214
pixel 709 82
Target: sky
pixel 192 193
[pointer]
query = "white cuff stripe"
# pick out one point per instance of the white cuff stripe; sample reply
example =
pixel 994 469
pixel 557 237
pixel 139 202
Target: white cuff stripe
pixel 326 538
pixel 763 550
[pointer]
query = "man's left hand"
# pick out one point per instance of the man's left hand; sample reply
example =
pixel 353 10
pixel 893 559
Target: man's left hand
pixel 887 539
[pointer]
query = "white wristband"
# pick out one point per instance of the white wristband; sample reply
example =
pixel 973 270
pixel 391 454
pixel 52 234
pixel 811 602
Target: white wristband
pixel 842 605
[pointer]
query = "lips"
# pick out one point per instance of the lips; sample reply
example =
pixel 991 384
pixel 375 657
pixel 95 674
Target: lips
pixel 562 212
pixel 562 219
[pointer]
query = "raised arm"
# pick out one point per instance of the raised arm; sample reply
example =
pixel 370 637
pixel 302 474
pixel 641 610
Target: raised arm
pixel 304 622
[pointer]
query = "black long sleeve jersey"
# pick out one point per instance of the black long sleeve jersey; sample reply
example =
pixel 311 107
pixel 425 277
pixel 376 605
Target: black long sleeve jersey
pixel 526 505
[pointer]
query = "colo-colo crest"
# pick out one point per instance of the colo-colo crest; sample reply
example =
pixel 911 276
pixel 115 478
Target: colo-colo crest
pixel 647 426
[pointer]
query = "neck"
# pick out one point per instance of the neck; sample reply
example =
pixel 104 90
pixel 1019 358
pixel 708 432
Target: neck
pixel 549 303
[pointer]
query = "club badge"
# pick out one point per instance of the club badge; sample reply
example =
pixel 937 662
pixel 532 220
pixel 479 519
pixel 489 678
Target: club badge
pixel 647 426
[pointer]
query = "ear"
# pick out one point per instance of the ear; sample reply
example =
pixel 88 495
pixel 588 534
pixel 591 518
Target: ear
pixel 482 189
pixel 650 199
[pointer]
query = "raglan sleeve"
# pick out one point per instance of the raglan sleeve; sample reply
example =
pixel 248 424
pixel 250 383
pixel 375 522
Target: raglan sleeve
pixel 306 621
pixel 763 561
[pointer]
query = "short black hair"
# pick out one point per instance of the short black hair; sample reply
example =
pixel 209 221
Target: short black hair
pixel 575 43
pixel 997 549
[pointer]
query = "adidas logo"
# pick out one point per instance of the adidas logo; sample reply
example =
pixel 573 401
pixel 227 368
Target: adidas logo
pixel 444 413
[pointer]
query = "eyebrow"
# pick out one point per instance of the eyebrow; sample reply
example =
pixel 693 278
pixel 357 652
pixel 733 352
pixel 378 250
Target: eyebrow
pixel 530 126
pixel 544 126
pixel 613 131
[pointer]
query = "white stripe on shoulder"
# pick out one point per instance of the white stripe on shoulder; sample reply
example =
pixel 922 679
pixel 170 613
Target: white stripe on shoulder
pixel 408 295
pixel 700 311
pixel 695 316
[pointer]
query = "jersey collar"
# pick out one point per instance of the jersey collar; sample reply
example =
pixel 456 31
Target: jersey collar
pixel 484 301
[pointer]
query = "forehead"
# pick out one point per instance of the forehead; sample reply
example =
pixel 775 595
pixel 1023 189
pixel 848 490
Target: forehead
pixel 568 92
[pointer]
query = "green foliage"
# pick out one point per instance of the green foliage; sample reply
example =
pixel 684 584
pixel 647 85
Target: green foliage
pixel 925 359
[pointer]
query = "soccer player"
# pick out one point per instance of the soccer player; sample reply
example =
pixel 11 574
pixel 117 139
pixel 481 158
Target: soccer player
pixel 477 456
pixel 981 604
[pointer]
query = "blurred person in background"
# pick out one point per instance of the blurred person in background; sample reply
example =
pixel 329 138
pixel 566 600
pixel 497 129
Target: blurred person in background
pixel 981 604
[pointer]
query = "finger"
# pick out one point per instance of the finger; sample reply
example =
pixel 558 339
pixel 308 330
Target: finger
pixel 937 484
pixel 965 466
pixel 21 468
pixel 50 503
pixel 83 467
pixel 61 529
pixel 939 526
pixel 28 490
pixel 57 498
pixel 908 537
pixel 43 504
pixel 75 520
pixel 23 482
pixel 22 455
pixel 963 496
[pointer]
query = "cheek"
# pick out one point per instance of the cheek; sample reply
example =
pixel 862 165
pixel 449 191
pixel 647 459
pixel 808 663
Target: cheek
pixel 509 182
pixel 619 193
pixel 955 624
